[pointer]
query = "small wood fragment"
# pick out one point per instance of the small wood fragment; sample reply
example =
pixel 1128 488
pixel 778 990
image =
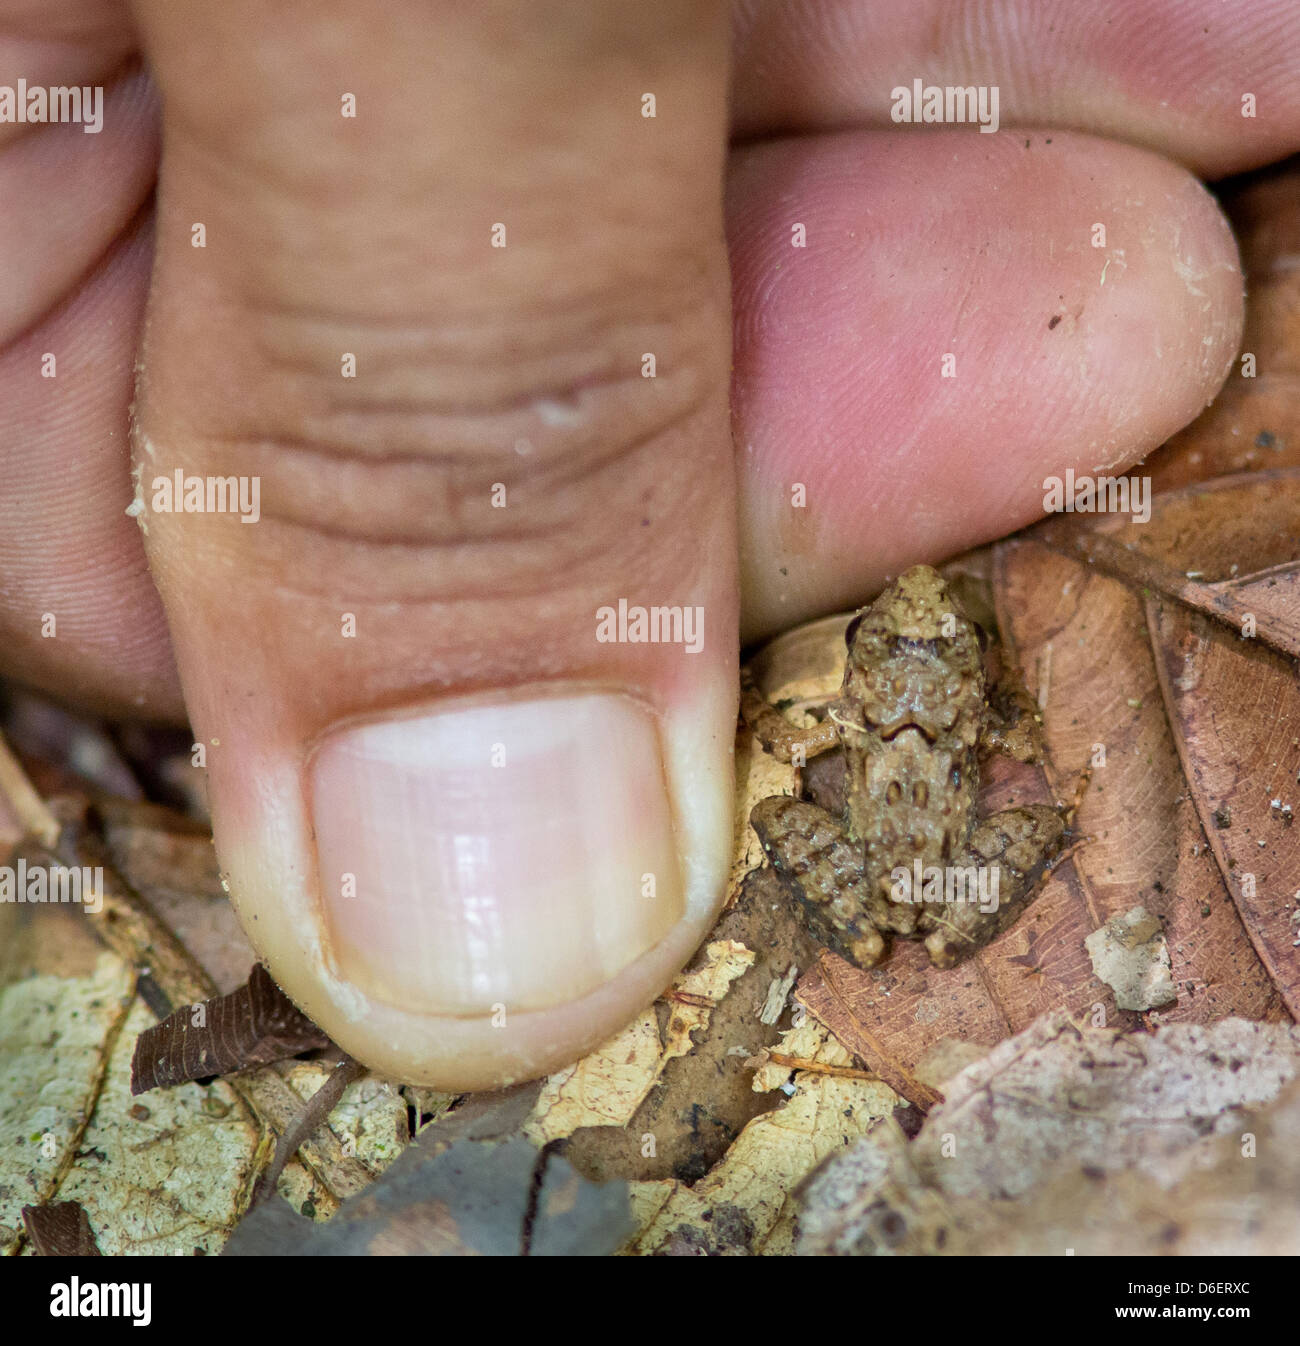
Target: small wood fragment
pixel 60 1229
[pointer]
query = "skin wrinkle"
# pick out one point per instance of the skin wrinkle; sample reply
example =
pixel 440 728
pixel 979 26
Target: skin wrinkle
pixel 454 555
pixel 352 506
pixel 567 547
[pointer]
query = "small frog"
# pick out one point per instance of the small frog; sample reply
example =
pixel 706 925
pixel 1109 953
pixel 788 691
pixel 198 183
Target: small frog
pixel 911 717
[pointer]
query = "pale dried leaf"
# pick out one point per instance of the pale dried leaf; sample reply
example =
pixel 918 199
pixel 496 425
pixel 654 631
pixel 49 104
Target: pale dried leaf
pixel 805 1041
pixel 1057 1104
pixel 739 1206
pixel 607 1087
pixel 55 1035
pixel 169 1173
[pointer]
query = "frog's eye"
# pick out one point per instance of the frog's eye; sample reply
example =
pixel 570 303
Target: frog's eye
pixel 852 630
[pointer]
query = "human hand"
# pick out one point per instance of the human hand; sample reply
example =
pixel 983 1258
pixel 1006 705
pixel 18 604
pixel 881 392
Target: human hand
pixel 469 836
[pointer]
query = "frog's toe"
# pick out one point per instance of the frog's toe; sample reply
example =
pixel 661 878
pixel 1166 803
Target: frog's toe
pixel 944 950
pixel 867 949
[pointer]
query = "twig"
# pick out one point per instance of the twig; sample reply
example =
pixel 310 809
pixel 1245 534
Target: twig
pixel 821 1067
pixel 314 1113
pixel 690 998
pixel 33 813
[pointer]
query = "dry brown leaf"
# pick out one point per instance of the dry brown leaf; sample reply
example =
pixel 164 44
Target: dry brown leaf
pixel 170 861
pixel 1086 1139
pixel 252 1026
pixel 1201 725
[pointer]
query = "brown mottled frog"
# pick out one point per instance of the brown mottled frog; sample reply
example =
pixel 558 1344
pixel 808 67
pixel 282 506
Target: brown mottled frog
pixel 910 856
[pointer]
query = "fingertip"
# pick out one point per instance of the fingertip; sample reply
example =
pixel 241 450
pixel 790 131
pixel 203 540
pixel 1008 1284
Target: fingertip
pixel 928 325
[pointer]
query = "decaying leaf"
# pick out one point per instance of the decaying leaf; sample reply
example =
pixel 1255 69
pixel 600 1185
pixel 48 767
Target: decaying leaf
pixel 607 1087
pixel 56 1034
pixel 252 1026
pixel 743 1205
pixel 1087 1139
pixel 61 1229
pixel 170 1174
pixel 1131 955
pixel 1203 722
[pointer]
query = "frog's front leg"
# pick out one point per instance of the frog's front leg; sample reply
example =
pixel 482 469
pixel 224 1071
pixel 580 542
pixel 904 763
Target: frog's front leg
pixel 1005 861
pixel 1013 723
pixel 821 867
pixel 783 740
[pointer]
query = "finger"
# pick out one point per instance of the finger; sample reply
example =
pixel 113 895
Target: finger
pixel 950 333
pixel 79 615
pixel 470 834
pixel 1211 83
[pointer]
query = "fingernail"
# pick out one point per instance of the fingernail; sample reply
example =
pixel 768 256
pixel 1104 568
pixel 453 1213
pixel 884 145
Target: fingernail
pixel 516 854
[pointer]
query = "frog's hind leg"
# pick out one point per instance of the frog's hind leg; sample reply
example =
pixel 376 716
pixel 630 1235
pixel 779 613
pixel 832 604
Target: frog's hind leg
pixel 821 867
pixel 783 740
pixel 1000 874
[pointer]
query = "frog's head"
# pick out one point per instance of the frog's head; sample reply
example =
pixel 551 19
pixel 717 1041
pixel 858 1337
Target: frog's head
pixel 921 607
pixel 916 607
pixel 914 659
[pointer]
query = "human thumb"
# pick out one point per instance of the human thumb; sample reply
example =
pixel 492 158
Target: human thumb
pixel 432 458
